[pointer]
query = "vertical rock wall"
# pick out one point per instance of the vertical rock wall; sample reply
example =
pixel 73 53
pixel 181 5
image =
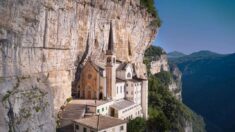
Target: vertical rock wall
pixel 160 63
pixel 42 43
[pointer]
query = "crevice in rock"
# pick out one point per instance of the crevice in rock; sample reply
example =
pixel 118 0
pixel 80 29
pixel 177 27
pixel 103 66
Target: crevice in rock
pixel 48 48
pixel 10 115
pixel 45 29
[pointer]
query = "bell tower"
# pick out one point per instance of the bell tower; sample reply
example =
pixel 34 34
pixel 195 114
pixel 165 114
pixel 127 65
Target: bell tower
pixel 110 67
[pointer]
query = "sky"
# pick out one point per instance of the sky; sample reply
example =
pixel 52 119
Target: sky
pixel 193 25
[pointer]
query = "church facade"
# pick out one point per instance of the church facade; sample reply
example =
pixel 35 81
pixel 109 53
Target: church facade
pixel 115 86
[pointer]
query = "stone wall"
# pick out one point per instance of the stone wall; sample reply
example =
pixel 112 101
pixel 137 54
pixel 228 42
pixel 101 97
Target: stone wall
pixel 43 45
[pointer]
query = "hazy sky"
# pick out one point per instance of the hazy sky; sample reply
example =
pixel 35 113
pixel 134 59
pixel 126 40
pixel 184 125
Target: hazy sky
pixel 193 25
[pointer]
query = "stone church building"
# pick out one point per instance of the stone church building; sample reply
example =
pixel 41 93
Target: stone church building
pixel 113 88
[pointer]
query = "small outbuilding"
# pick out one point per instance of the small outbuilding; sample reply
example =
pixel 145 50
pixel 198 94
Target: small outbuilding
pixel 100 123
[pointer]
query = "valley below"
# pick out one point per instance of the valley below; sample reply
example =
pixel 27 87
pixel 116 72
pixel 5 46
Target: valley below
pixel 208 83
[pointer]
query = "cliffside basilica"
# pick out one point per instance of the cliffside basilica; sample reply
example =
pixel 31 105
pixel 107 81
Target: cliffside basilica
pixel 113 89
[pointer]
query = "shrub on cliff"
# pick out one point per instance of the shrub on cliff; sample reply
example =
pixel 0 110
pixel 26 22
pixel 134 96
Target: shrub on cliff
pixel 168 111
pixel 136 125
pixel 149 5
pixel 154 51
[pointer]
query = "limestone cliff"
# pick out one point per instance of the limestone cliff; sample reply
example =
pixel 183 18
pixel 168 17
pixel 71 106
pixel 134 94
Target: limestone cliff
pixel 176 84
pixel 165 92
pixel 160 63
pixel 43 44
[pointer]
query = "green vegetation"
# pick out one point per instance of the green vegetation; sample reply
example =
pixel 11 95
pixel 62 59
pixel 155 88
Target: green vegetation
pixel 156 22
pixel 37 108
pixel 166 113
pixel 136 125
pixel 6 96
pixel 25 113
pixel 69 99
pixel 150 53
pixel 154 51
pixel 209 87
pixel 149 5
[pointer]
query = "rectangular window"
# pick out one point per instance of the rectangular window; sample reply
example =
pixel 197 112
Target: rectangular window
pixel 121 128
pixel 117 90
pixel 77 127
pixel 98 111
pixel 102 109
pixel 120 89
pixel 84 129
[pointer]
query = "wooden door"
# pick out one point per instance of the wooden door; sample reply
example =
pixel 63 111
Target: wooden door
pixel 89 95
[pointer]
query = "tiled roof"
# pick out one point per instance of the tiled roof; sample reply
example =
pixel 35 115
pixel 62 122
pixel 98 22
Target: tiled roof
pixel 100 122
pixel 119 105
pixel 73 111
pixel 122 66
pixel 135 79
pixel 118 80
pixel 89 102
pixel 111 43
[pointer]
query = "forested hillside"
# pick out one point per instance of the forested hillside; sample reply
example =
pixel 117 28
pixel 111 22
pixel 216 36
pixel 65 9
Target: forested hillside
pixel 208 88
pixel 165 111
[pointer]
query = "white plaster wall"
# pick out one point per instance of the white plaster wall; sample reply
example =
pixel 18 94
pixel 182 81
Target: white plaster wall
pixel 144 100
pixel 122 74
pixel 133 91
pixel 137 92
pixel 116 128
pixel 129 91
pixel 120 90
pixel 129 69
pixel 134 111
pixel 111 129
pixel 106 109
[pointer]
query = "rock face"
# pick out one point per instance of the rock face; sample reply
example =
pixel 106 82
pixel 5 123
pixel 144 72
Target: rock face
pixel 43 43
pixel 160 63
pixel 176 84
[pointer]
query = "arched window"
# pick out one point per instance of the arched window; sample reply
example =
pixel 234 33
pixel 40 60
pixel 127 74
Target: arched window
pixel 101 95
pixel 128 74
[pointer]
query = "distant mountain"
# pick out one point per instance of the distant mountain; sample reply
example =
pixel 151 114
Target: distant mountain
pixel 209 88
pixel 204 54
pixel 175 54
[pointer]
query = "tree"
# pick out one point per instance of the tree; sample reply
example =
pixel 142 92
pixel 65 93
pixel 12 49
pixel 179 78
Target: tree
pixel 136 125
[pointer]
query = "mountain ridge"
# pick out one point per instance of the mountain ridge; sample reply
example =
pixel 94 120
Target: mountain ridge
pixel 175 54
pixel 208 88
